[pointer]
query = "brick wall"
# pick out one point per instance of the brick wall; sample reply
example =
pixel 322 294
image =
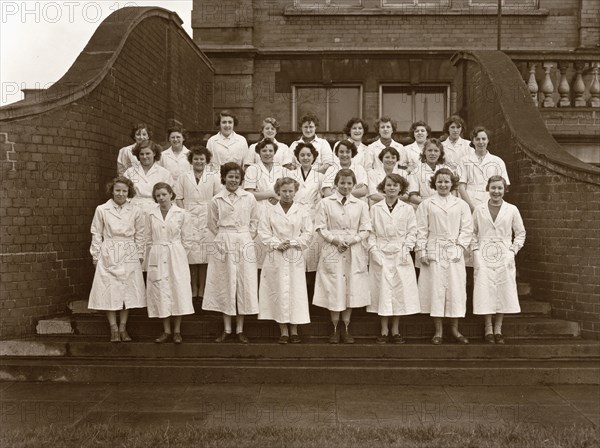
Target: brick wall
pixel 558 195
pixel 59 149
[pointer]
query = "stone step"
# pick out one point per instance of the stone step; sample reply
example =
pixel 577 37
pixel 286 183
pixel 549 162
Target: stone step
pixel 310 348
pixel 209 325
pixel 302 371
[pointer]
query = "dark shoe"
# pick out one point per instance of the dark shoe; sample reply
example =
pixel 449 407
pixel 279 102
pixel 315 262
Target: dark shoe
pixel 381 339
pixel 335 336
pixel 499 338
pixel 460 339
pixel 347 338
pixel 224 337
pixel 489 338
pixel 163 338
pixel 124 336
pixel 436 340
pixel 295 339
pixel 242 338
pixel 177 339
pixel 114 336
pixel 284 339
pixel 397 339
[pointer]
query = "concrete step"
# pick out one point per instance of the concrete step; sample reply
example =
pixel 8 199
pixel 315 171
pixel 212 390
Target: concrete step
pixel 303 371
pixel 310 348
pixel 209 325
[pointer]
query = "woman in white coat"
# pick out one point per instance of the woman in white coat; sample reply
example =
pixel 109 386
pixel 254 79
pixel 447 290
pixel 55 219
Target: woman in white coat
pixel 355 130
pixel 286 230
pixel 169 237
pixel 444 231
pixel 385 128
pixel 346 151
pixel 175 158
pixel 284 155
pixel 389 158
pixel 342 278
pixel 494 250
pixel 194 191
pixel 226 145
pixel 432 159
pixel 231 280
pixel 392 278
pixel 126 159
pixel 455 147
pixel 117 252
pixel 419 131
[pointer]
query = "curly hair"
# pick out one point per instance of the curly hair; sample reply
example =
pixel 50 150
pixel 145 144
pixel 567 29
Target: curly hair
pixel 438 145
pixel 397 179
pixel 154 147
pixel 453 178
pixel 120 180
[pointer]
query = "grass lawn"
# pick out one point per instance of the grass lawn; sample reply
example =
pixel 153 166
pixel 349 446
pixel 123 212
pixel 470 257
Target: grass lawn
pixel 523 436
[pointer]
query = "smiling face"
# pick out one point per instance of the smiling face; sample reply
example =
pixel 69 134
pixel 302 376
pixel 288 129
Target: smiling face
pixel 141 135
pixel 454 131
pixel 344 154
pixel 496 190
pixel 420 134
pixel 269 131
pixel 226 125
pixel 432 153
pixel 163 197
pixel 309 129
pixel 345 185
pixel 120 192
pixel 146 157
pixel 232 180
pixel 176 140
pixel 306 158
pixel 391 189
pixel 389 160
pixel 385 130
pixel 287 193
pixel 199 162
pixel 481 141
pixel 267 153
pixel 443 184
pixel 357 132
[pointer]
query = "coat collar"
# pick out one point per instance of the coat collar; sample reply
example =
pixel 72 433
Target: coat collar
pixel 439 202
pixel 485 210
pixel 111 206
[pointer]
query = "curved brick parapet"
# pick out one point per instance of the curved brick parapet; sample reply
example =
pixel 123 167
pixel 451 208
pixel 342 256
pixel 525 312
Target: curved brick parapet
pixel 59 148
pixel 558 195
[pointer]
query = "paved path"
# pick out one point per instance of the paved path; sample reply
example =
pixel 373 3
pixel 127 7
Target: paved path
pixel 40 404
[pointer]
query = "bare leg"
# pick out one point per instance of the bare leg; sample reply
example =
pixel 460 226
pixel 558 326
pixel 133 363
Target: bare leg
pixel 227 323
pixel 177 324
pixel 335 318
pixel 123 319
pixel 395 325
pixel 283 328
pixel 294 329
pixel 384 325
pixel 239 324
pixel 346 316
pixel 488 324
pixel 454 327
pixel 166 321
pixel 439 326
pixel 498 323
pixel 112 320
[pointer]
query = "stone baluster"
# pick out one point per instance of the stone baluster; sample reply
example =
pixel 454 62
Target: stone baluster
pixel 578 85
pixel 594 100
pixel 548 86
pixel 532 83
pixel 563 86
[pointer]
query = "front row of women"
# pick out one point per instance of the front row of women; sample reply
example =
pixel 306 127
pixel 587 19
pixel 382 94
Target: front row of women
pixel 365 259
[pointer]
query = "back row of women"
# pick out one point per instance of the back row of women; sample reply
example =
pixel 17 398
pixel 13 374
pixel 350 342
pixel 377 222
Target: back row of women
pixel 278 212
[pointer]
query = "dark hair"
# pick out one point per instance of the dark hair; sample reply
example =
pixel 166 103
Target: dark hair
pixel 386 120
pixel 199 150
pixel 438 144
pixel 160 186
pixel 138 127
pixel 348 144
pixel 308 118
pixel 154 147
pixel 120 180
pixel 415 125
pixel 391 150
pixel 225 113
pixel 231 166
pixel 453 177
pixel 303 145
pixel 352 122
pixel 285 181
pixel 269 120
pixel 496 178
pixel 397 179
pixel 264 142
pixel 476 131
pixel 177 129
pixel 454 119
pixel 344 172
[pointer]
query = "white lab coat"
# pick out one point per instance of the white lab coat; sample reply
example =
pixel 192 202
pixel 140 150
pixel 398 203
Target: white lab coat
pixel 475 175
pixel 282 294
pixel 342 278
pixel 358 170
pixel 376 147
pixel 196 197
pixel 323 148
pixel 175 164
pixel 229 149
pixel 168 291
pixel 392 277
pixel 117 245
pixel 377 175
pixel 444 231
pixel 283 155
pixel 309 194
pixel 419 178
pixel 413 153
pixel 453 152
pixel 495 289
pixel 363 156
pixel 126 159
pixel 231 279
